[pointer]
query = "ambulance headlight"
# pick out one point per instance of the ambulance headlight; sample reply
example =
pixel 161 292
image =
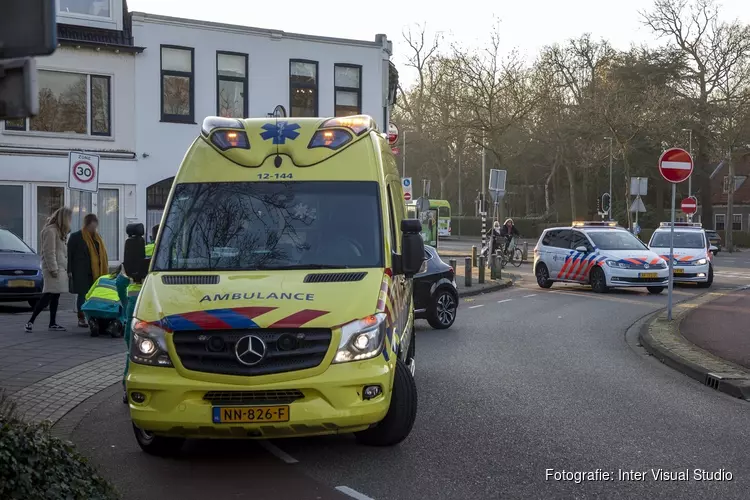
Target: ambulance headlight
pixel 230 139
pixel 148 345
pixel 361 339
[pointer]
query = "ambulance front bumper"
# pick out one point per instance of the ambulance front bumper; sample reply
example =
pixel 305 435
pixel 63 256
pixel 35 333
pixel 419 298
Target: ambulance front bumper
pixel 329 403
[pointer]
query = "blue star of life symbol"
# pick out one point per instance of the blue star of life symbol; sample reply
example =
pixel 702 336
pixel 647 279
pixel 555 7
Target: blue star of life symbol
pixel 280 132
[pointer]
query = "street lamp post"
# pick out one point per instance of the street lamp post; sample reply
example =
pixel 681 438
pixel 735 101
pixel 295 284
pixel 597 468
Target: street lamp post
pixel 610 178
pixel 403 157
pixel 690 150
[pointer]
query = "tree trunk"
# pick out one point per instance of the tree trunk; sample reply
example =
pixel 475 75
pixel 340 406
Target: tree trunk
pixel 572 183
pixel 547 204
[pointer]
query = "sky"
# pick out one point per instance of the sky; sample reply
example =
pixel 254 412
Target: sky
pixel 525 25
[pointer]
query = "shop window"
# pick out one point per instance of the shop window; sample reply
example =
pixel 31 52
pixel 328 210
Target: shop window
pixel 108 213
pixel 48 199
pixel 11 209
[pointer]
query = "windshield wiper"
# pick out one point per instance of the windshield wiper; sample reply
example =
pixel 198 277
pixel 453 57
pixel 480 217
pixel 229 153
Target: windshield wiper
pixel 301 266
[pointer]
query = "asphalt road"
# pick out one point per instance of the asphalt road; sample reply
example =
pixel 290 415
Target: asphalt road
pixel 527 380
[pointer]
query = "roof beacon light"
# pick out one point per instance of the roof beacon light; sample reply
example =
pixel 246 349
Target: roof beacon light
pixel 331 139
pixel 225 133
pixel 359 124
pixel 595 223
pixel 696 225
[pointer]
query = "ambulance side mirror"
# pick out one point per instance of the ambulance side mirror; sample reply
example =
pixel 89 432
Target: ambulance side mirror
pixel 412 247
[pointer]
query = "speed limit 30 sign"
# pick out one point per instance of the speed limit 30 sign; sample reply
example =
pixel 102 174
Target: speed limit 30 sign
pixel 83 172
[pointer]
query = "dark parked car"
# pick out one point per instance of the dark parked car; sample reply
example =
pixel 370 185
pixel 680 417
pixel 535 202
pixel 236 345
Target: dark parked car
pixel 435 293
pixel 20 270
pixel 714 239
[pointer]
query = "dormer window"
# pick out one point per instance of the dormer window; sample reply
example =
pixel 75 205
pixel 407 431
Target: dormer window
pixel 106 14
pixel 96 8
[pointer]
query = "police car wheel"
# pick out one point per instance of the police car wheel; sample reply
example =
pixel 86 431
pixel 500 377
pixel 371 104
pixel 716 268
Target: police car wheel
pixel 598 280
pixel 656 290
pixel 402 413
pixel 157 445
pixel 542 276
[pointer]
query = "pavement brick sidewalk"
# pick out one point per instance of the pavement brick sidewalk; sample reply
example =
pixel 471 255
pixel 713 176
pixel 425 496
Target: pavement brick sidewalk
pixel 721 327
pixel 48 373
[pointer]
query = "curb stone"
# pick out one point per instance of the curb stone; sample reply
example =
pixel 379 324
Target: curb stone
pixel 470 292
pixel 663 340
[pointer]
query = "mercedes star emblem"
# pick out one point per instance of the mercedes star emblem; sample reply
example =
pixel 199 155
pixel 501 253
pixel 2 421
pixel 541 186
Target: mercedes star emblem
pixel 250 350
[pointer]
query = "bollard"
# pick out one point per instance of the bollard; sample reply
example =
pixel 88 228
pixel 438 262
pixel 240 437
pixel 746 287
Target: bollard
pixel 525 250
pixel 452 263
pixel 493 266
pixel 468 270
pixel 482 265
pixel 473 256
pixel 499 262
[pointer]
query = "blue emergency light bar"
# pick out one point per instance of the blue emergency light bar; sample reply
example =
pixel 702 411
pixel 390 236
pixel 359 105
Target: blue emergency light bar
pixel 595 223
pixel 696 225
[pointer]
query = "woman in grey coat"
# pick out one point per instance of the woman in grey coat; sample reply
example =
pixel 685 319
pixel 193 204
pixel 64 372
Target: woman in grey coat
pixel 54 254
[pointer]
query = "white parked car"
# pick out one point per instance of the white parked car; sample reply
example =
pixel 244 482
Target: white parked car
pixel 600 254
pixel 693 256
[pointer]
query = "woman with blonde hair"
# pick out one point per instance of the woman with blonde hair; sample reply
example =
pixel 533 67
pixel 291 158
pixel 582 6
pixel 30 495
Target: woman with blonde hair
pixel 54 254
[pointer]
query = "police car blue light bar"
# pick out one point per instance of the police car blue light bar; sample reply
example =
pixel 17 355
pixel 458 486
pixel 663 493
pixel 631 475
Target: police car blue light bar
pixel 681 224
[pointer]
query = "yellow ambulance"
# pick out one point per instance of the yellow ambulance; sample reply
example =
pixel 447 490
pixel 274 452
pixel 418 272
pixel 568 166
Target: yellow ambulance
pixel 279 298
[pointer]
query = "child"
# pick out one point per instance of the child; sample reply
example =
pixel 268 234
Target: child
pixel 106 302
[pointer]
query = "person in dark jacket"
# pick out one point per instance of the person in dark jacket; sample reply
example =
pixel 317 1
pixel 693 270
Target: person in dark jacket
pixel 87 261
pixel 508 231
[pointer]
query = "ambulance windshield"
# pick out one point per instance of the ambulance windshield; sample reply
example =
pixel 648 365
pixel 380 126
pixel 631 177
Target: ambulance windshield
pixel 237 226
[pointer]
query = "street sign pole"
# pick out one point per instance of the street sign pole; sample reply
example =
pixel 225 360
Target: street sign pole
pixel 671 256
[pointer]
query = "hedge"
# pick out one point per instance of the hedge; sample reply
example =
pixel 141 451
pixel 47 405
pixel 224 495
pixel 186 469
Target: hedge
pixel 36 465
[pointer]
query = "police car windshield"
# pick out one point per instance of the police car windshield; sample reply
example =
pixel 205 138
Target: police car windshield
pixel 682 239
pixel 615 240
pixel 271 225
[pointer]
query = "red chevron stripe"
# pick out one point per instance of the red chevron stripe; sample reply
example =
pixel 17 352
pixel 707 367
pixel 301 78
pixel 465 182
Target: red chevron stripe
pixel 298 319
pixel 564 267
pixel 253 312
pixel 206 321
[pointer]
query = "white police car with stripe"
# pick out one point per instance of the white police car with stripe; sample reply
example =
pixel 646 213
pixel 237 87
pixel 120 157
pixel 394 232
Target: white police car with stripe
pixel 600 254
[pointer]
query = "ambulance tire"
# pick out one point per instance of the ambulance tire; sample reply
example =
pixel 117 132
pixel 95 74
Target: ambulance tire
pixel 159 446
pixel 402 413
pixel 598 280
pixel 709 282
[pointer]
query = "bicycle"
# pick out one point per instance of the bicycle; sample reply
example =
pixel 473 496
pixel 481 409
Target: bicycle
pixel 513 254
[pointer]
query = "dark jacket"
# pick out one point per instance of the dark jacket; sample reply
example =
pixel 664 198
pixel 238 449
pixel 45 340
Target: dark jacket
pixel 79 264
pixel 513 231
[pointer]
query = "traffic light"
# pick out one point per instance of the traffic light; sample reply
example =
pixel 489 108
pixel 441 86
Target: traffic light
pixel 606 202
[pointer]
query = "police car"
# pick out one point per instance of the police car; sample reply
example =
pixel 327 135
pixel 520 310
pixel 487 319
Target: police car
pixel 600 254
pixel 693 259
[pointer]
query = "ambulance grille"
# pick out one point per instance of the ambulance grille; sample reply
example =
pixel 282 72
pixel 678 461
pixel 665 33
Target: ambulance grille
pixel 172 279
pixel 334 277
pixel 287 350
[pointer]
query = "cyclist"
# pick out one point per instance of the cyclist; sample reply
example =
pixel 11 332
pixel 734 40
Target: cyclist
pixel 508 231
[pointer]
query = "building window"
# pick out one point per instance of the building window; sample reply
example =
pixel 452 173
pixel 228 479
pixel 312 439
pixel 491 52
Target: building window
pixel 303 88
pixel 94 8
pixel 108 212
pixel 177 84
pixel 719 222
pixel 11 209
pixel 347 80
pixel 231 84
pixel 736 222
pixel 48 199
pixel 70 103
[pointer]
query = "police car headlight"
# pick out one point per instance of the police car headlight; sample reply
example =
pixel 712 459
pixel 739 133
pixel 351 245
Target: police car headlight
pixel 620 265
pixel 361 339
pixel 699 262
pixel 148 346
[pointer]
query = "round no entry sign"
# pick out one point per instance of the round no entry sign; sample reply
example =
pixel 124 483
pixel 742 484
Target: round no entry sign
pixel 689 205
pixel 675 165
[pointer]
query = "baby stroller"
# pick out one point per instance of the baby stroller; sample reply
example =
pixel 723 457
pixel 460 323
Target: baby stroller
pixel 105 305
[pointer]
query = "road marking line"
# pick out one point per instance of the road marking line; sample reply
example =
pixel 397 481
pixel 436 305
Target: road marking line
pixel 474 307
pixel 532 295
pixel 501 301
pixel 278 452
pixel 353 493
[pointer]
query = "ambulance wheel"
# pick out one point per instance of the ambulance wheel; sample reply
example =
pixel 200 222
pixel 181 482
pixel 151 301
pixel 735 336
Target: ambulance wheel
pixel 656 290
pixel 402 413
pixel 542 276
pixel 709 282
pixel 159 446
pixel 598 280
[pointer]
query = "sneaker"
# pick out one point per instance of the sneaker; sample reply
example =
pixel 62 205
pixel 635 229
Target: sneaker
pixel 83 323
pixel 57 328
pixel 29 327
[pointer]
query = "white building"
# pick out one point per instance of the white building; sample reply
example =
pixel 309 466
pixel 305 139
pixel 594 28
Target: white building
pixel 87 92
pixel 134 89
pixel 193 69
